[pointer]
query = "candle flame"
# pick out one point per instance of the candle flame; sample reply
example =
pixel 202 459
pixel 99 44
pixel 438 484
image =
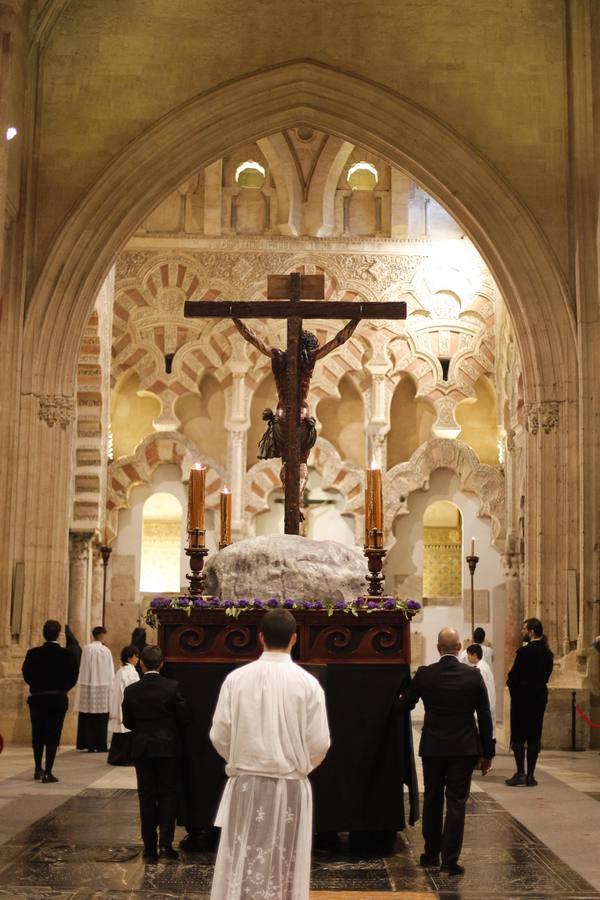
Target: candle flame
pixel 373 464
pixel 198 466
pixel 225 490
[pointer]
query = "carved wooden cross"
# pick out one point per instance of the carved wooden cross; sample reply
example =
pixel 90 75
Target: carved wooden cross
pixel 294 297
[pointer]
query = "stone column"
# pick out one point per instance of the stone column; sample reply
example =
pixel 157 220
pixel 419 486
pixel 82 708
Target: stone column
pixel 377 413
pixel 237 423
pixel 514 608
pixel 236 453
pixel 80 584
pixel 552 512
pixel 12 303
pixel 583 84
pixel 97 586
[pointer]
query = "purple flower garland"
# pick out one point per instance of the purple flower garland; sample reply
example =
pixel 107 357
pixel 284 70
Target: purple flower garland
pixel 235 607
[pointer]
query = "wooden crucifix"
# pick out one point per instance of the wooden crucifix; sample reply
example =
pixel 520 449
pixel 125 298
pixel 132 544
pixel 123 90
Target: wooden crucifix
pixel 291 432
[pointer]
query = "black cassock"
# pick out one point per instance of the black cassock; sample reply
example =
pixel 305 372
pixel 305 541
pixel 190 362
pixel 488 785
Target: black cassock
pixel 360 785
pixel 527 683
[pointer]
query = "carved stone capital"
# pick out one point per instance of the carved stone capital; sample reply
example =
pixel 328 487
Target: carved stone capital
pixel 543 414
pixel 80 546
pixel 511 563
pixel 56 408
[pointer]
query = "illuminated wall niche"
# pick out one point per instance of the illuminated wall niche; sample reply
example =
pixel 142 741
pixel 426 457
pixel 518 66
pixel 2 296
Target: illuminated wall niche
pixel 161 544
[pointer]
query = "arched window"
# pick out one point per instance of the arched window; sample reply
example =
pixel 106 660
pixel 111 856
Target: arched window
pixel 362 176
pixel 442 551
pixel 250 174
pixel 161 545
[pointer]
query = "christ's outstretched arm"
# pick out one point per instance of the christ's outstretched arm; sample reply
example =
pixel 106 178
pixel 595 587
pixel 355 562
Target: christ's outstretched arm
pixel 341 337
pixel 252 338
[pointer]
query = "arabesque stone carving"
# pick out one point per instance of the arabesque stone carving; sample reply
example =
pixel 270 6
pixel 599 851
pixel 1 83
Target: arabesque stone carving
pixel 55 408
pixel 543 414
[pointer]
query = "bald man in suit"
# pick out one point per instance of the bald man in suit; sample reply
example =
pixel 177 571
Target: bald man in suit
pixel 450 747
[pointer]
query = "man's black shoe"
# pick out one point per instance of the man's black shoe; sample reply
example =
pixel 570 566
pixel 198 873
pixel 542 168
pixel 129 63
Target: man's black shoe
pixel 429 862
pixel 150 855
pixel 49 778
pixel 453 869
pixel 516 780
pixel 168 852
pixel 531 782
pixel 38 774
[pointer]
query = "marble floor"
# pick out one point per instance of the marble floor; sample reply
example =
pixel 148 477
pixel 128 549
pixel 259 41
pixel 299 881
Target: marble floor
pixel 80 839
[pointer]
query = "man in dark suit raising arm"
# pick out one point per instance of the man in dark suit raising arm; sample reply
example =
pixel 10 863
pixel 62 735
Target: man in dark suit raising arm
pixel 450 746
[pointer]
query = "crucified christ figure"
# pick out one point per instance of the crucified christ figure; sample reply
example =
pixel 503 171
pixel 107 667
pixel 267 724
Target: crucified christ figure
pixel 273 442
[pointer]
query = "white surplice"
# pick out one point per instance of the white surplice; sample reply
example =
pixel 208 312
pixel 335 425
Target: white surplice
pixel 127 674
pixel 270 725
pixel 96 673
pixel 490 684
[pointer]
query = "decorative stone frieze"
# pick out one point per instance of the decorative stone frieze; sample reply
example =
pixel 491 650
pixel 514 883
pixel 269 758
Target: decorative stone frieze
pixel 55 408
pixel 543 414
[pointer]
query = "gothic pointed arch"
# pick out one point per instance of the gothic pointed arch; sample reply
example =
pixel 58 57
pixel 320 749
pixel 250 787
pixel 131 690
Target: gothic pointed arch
pixel 361 112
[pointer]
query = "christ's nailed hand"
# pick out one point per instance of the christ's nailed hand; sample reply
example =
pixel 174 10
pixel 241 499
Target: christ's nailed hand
pixel 485 765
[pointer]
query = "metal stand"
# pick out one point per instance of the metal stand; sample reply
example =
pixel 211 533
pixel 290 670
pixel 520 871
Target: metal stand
pixel 196 552
pixel 105 552
pixel 375 556
pixel 472 563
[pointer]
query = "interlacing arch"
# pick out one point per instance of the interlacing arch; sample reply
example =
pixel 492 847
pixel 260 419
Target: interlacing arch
pixel 157 449
pixel 475 477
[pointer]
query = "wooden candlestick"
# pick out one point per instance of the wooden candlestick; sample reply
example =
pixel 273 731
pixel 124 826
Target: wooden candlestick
pixel 196 553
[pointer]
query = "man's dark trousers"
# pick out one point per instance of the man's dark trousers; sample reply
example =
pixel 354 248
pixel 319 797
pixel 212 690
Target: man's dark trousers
pixel 452 774
pixel 450 746
pixel 157 789
pixel 47 711
pixel 154 710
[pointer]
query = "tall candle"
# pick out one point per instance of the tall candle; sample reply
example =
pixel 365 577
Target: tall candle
pixel 225 516
pixel 367 519
pixel 375 501
pixel 472 546
pixel 196 489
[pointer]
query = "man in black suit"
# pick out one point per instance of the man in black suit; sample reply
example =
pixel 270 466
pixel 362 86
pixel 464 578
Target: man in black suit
pixel 450 746
pixel 154 710
pixel 50 671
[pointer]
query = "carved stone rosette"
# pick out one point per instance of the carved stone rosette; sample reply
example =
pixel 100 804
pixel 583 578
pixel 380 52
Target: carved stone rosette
pixel 56 408
pixel 543 414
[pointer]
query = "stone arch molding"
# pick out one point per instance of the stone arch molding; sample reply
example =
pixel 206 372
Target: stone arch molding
pixel 156 450
pixel 486 482
pixel 345 477
pixel 364 113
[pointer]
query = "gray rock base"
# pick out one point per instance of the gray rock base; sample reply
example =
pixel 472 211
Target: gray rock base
pixel 287 566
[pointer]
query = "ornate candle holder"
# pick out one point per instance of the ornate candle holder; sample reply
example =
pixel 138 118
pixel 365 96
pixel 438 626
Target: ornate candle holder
pixel 472 564
pixel 196 551
pixel 375 555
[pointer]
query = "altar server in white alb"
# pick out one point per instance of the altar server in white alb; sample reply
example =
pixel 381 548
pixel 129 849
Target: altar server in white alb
pixel 96 673
pixel 126 675
pixel 270 725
